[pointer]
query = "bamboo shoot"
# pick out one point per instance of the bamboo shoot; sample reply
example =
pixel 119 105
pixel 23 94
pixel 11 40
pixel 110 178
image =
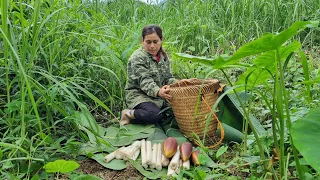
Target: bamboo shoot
pixel 175 161
pixel 135 155
pixel 143 154
pixel 154 156
pixel 159 156
pixel 186 164
pixel 110 157
pixel 149 152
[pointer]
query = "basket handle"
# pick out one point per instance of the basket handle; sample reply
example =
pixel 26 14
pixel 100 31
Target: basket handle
pixel 219 123
pixel 185 81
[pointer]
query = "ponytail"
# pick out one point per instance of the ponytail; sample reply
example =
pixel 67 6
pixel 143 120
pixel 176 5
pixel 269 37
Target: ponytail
pixel 165 55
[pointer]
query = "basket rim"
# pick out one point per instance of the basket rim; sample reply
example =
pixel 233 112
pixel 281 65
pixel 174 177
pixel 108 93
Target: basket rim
pixel 194 82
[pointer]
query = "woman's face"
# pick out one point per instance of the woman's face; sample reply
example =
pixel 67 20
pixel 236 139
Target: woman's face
pixel 152 43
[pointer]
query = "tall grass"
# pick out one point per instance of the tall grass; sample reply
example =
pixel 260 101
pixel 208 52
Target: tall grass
pixel 58 58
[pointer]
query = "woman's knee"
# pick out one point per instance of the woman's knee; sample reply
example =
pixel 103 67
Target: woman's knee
pixel 148 113
pixel 154 118
pixel 149 117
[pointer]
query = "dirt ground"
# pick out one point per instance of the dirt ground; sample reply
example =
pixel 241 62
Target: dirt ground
pixel 89 166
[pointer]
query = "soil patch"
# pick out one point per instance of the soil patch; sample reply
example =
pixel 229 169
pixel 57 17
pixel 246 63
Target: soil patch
pixel 89 166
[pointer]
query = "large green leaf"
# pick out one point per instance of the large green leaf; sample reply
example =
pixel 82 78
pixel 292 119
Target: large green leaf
pixel 86 177
pixel 91 148
pixel 158 136
pixel 253 77
pixel 115 164
pixel 150 173
pixel 113 135
pixel 305 134
pixel 126 135
pixel 264 64
pixel 267 59
pixel 203 60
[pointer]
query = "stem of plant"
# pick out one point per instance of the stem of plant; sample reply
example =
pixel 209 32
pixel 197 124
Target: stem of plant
pixel 288 122
pixel 279 107
pixel 265 164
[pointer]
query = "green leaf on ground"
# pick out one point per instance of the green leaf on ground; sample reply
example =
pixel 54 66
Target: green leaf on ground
pixel 150 173
pixel 115 164
pixel 87 177
pixel 205 160
pixel 221 150
pixel 126 135
pixel 89 147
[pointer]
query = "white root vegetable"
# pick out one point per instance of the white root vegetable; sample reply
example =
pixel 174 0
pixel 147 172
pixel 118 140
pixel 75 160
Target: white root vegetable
pixel 110 157
pixel 149 152
pixel 164 161
pixel 177 170
pixel 154 156
pixel 180 164
pixel 159 156
pixel 119 153
pixel 135 155
pixel 186 164
pixel 171 172
pixel 175 161
pixel 143 154
pixel 130 150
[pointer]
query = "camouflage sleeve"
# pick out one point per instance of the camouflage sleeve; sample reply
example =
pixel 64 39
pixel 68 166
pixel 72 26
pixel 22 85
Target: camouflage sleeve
pixel 172 80
pixel 144 77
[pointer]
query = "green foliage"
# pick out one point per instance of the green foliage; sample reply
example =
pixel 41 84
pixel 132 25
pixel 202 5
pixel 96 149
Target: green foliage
pixel 221 150
pixel 113 135
pixel 115 164
pixel 150 173
pixel 61 58
pixel 272 60
pixel 305 135
pixel 61 166
pixel 86 177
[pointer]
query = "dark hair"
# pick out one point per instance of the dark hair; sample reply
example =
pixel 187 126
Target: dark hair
pixel 154 29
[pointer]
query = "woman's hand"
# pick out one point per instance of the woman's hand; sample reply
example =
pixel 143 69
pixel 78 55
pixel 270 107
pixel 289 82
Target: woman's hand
pixel 164 92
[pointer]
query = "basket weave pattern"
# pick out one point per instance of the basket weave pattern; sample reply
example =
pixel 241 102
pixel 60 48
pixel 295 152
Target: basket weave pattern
pixel 191 110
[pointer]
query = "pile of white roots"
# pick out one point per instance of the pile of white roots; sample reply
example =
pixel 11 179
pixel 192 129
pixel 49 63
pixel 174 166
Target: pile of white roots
pixel 151 156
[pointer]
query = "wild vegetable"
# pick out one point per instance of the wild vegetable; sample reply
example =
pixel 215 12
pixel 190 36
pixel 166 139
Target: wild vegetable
pixel 175 161
pixel 149 152
pixel 154 155
pixel 169 147
pixel 159 157
pixel 194 157
pixel 144 154
pixel 186 164
pixel 185 150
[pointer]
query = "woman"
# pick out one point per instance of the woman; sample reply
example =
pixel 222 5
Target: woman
pixel 149 74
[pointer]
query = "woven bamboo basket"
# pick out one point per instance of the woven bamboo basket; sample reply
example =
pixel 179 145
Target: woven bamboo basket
pixel 191 103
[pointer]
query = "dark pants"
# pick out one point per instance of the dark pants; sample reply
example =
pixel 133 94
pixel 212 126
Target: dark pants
pixel 147 113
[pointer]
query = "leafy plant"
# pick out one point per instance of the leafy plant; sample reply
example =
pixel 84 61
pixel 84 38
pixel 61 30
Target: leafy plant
pixel 61 166
pixel 271 62
pixel 221 150
pixel 305 136
pixel 58 58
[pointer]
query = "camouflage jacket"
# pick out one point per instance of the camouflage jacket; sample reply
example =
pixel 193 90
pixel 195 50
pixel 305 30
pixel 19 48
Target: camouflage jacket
pixel 146 77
